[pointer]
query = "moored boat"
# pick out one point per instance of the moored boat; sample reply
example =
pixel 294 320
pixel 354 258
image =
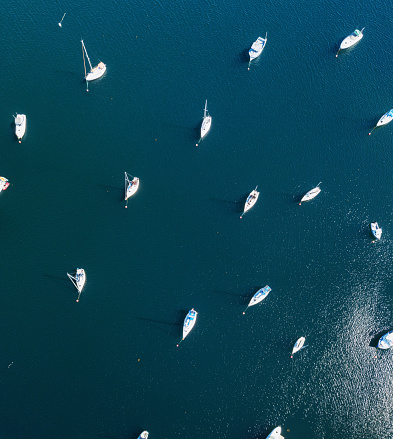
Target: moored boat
pixel 206 123
pixel 20 126
pixel 131 186
pixel 4 183
pixel 189 323
pixel 258 296
pixel 351 40
pixel 251 200
pixel 275 434
pixel 384 120
pixel 311 194
pixel 95 72
pixel 78 279
pixel 257 48
pixel 376 230
pixel 298 345
pixel 386 341
pixel 144 435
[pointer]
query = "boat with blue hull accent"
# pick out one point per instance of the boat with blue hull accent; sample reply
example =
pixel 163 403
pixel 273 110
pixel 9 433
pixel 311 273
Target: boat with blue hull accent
pixel 189 323
pixel 376 230
pixel 384 120
pixel 258 296
pixel 275 434
pixel 257 48
pixel 386 341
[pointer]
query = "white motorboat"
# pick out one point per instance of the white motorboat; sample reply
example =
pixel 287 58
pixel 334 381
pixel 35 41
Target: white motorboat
pixel 4 183
pixel 251 200
pixel 78 279
pixel 376 230
pixel 189 323
pixel 131 186
pixel 144 435
pixel 258 296
pixel 20 126
pixel 311 194
pixel 298 345
pixel 257 48
pixel 384 120
pixel 351 40
pixel 95 72
pixel 206 123
pixel 386 341
pixel 275 434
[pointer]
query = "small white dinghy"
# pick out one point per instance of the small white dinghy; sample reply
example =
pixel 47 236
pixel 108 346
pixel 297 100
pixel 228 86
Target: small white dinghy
pixel 78 279
pixel 206 123
pixel 131 186
pixel 298 345
pixel 20 126
pixel 311 194
pixel 258 296
pixel 275 434
pixel 386 341
pixel 251 200
pixel 144 435
pixel 95 72
pixel 257 48
pixel 4 183
pixel 351 40
pixel 384 120
pixel 189 323
pixel 376 230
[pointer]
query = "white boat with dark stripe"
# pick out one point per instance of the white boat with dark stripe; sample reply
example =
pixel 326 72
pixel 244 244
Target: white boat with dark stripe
pixel 78 279
pixel 257 48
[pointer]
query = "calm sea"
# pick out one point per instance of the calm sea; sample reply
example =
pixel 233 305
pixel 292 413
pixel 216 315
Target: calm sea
pixel 108 366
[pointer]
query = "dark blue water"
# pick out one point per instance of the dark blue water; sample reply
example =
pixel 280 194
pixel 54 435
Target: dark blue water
pixel 108 366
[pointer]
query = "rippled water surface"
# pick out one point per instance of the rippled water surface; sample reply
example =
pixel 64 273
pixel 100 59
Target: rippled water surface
pixel 108 366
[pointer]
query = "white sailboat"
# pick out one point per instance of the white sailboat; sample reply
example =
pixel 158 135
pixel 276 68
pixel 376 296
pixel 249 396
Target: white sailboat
pixel 206 123
pixel 4 183
pixel 189 323
pixel 78 279
pixel 257 48
pixel 351 40
pixel 251 200
pixel 311 194
pixel 298 345
pixel 275 434
pixel 144 435
pixel 131 186
pixel 258 296
pixel 386 341
pixel 95 72
pixel 384 120
pixel 376 230
pixel 20 126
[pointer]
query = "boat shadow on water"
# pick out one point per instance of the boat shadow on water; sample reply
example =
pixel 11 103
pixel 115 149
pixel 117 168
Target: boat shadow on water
pixel 173 328
pixel 61 280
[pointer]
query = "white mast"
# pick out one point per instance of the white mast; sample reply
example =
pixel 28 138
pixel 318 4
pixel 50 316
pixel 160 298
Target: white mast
pixel 87 56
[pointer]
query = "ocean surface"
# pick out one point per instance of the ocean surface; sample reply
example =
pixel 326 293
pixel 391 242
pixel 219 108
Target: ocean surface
pixel 108 366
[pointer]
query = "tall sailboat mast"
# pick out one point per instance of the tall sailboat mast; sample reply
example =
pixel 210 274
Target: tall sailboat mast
pixel 87 56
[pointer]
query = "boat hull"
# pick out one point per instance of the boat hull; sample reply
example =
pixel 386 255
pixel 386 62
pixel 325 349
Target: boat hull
pixel 251 200
pixel 351 40
pixel 80 279
pixel 96 72
pixel 143 435
pixel 275 434
pixel 298 345
pixel 132 188
pixel 386 118
pixel 386 341
pixel 206 124
pixel 260 295
pixel 4 183
pixel 20 126
pixel 189 322
pixel 376 230
pixel 257 48
pixel 311 194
